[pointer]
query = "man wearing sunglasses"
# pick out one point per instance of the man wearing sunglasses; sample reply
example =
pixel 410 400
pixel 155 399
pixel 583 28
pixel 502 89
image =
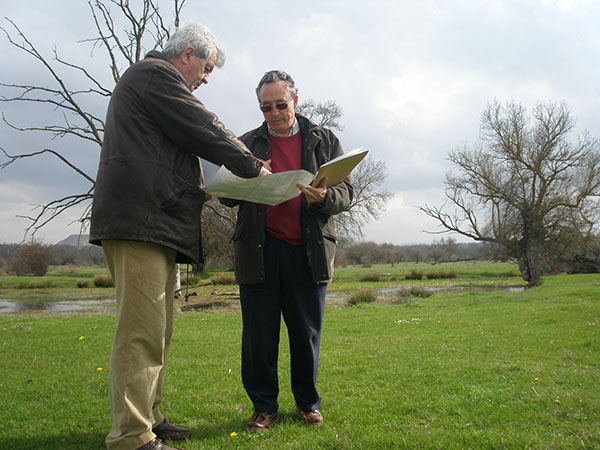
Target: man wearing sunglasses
pixel 284 255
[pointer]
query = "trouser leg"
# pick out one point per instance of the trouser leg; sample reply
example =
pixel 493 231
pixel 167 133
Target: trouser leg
pixel 144 276
pixel 303 307
pixel 169 300
pixel 261 315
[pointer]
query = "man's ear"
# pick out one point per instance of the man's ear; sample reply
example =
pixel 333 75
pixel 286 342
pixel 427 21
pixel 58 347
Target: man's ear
pixel 295 101
pixel 187 54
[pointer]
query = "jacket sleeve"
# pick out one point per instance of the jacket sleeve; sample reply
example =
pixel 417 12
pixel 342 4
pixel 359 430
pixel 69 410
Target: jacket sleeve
pixel 338 197
pixel 186 122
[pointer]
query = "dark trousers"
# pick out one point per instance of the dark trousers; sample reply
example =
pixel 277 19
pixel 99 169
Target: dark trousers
pixel 289 291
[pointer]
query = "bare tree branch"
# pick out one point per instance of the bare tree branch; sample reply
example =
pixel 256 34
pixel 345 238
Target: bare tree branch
pixel 530 184
pixel 123 35
pixel 14 158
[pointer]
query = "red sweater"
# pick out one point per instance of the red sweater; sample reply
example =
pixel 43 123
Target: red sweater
pixel 283 220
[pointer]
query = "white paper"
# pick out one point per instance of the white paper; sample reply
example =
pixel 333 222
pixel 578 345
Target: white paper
pixel 339 168
pixel 351 153
pixel 271 189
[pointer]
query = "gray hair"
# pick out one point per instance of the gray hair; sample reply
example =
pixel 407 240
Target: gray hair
pixel 278 75
pixel 197 36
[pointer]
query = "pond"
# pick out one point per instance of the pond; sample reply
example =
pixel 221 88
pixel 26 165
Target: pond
pixel 70 307
pixel 73 307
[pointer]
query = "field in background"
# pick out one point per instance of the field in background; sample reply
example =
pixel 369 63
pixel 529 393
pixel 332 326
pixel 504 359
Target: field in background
pixel 218 288
pixel 478 364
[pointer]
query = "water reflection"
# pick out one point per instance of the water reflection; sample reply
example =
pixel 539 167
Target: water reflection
pixel 16 306
pixel 106 306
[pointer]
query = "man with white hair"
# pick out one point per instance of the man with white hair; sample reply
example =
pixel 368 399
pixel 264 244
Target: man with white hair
pixel 146 215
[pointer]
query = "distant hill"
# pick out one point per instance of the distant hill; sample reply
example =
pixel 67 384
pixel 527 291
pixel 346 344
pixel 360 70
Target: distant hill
pixel 76 240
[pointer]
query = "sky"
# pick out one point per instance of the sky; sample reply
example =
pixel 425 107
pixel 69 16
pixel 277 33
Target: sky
pixel 412 78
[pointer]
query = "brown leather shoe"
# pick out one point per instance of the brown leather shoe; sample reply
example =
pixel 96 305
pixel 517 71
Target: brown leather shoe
pixel 166 430
pixel 156 444
pixel 313 417
pixel 261 421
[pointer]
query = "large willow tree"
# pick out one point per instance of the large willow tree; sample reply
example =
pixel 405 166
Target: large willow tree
pixel 525 187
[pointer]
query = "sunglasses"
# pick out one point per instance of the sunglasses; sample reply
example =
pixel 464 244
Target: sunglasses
pixel 269 108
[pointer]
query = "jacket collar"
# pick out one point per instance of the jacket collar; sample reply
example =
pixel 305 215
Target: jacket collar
pixel 157 54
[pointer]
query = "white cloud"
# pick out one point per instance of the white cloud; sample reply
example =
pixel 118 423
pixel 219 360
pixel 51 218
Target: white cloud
pixel 21 199
pixel 412 78
pixel 410 224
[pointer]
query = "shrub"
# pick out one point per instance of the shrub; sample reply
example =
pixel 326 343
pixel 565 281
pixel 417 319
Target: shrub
pixel 223 278
pixel 370 277
pixel 41 284
pixel 82 284
pixel 190 280
pixel 32 259
pixel 364 296
pixel 413 291
pixel 103 281
pixel 441 274
pixel 414 275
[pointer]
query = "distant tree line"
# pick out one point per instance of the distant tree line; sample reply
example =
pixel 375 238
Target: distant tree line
pixel 445 250
pixel 34 258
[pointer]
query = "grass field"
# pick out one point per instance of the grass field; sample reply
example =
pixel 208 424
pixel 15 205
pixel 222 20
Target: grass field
pixel 474 366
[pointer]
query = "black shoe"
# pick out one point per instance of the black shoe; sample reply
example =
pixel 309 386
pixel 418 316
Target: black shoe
pixel 156 444
pixel 166 430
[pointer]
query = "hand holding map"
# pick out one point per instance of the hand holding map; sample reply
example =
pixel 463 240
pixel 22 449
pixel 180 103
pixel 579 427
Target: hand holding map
pixel 279 187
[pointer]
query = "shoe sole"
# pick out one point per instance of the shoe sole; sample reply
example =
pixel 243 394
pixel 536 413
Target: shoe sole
pixel 172 436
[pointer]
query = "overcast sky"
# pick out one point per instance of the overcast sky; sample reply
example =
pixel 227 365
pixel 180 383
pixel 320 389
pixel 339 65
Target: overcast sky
pixel 412 78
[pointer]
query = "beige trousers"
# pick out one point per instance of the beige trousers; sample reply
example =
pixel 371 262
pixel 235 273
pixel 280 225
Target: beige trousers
pixel 144 276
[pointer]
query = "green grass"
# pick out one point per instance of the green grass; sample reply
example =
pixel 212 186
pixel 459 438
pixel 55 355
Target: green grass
pixel 468 274
pixel 462 370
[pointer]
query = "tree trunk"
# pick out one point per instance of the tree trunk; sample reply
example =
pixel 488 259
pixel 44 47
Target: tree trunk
pixel 531 251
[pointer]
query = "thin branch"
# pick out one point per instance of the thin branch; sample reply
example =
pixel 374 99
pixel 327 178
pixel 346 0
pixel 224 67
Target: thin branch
pixel 13 158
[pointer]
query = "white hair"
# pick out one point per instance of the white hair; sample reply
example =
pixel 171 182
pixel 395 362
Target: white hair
pixel 197 36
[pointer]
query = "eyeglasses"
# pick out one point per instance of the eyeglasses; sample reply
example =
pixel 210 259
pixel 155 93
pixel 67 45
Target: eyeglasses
pixel 269 108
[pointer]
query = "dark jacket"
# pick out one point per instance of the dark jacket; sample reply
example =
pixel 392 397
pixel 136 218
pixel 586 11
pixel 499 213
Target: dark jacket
pixel 149 186
pixel 319 145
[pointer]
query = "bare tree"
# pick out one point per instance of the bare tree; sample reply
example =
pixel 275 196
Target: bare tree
pixel 369 200
pixel 524 187
pixel 124 33
pixel 326 114
pixel 32 259
pixel 368 178
pixel 443 250
pixel 218 224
